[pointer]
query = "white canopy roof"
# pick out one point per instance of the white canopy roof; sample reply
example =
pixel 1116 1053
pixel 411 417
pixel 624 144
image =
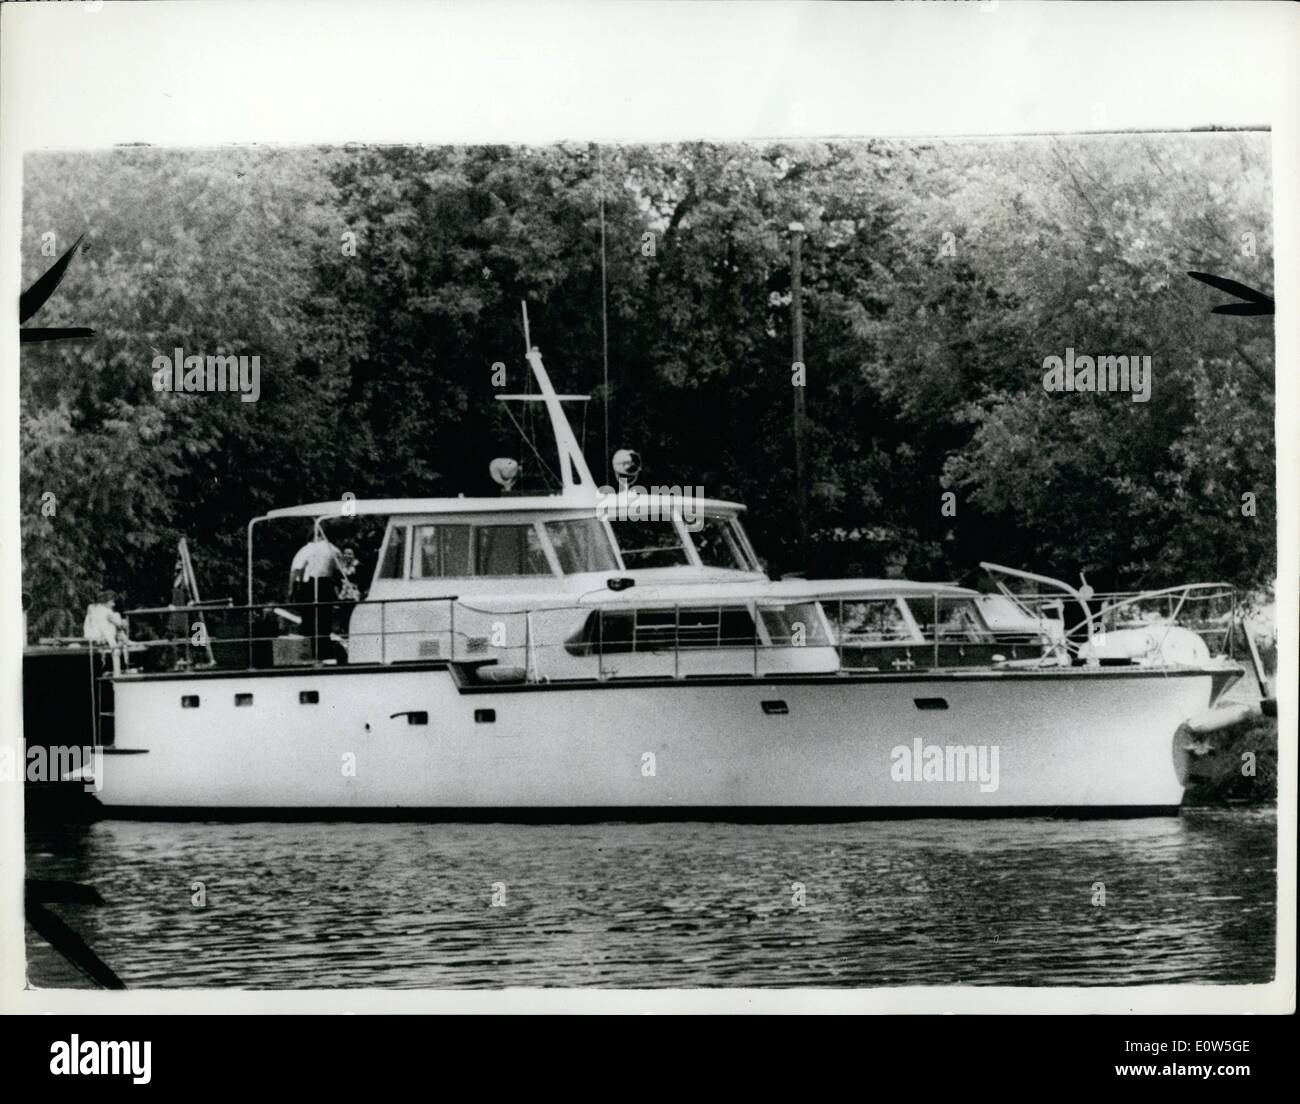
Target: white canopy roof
pixel 719 593
pixel 370 506
pixel 496 504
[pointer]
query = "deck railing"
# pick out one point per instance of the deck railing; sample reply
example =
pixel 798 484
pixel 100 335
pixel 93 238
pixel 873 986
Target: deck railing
pixel 275 634
pixel 542 642
pixel 1210 610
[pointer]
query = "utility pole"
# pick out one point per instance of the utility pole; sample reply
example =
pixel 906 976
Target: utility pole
pixel 798 375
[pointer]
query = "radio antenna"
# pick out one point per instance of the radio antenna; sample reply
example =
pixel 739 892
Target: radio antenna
pixel 604 308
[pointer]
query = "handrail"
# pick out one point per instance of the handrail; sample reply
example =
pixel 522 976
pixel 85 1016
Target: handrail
pixel 1108 603
pixel 206 606
pixel 1129 598
pixel 694 646
pixel 270 607
pixel 1047 580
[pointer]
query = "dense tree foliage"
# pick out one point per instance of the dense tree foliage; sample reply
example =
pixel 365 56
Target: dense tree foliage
pixel 379 286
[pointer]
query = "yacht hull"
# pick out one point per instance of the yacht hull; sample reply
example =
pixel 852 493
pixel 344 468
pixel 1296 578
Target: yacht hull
pixel 421 740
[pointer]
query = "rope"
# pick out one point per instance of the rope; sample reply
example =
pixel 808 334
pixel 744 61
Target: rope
pixel 529 441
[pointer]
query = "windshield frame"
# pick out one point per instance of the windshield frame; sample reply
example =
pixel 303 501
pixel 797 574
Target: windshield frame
pixel 735 534
pixel 602 524
pixel 690 558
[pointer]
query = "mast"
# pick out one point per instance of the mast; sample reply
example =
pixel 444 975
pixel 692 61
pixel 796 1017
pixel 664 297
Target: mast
pixel 575 476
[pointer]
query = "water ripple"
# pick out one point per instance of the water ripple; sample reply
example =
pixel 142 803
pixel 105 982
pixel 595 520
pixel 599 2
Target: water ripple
pixel 1187 899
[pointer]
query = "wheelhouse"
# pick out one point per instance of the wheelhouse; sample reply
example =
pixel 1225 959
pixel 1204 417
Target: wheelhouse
pixel 526 545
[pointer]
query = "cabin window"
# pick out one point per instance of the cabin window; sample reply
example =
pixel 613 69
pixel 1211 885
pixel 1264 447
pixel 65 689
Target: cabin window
pixel 659 630
pixel 509 550
pixel 581 545
pixel 649 543
pixel 794 626
pixel 720 544
pixel 440 550
pixel 729 627
pixel 462 551
pixel 957 619
pixel 392 565
pixel 875 621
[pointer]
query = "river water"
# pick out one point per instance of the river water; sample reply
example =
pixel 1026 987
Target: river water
pixel 925 902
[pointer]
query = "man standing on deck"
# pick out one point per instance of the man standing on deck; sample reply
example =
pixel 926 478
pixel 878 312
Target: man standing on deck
pixel 311 580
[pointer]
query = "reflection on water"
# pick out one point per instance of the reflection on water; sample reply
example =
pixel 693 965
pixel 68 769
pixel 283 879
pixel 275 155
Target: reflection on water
pixel 1187 899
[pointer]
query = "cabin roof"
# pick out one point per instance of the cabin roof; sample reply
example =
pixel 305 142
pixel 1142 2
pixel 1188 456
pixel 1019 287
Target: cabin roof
pixel 872 588
pixel 779 590
pixel 503 504
pixel 710 505
pixel 369 506
pixel 724 592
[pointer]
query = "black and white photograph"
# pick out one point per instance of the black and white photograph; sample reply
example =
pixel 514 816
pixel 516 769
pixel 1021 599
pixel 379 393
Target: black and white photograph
pixel 481 522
